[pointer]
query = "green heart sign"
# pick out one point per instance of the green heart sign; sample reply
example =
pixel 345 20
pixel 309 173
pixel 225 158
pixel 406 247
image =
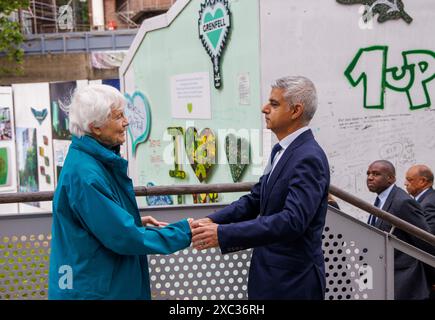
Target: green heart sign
pixel 201 151
pixel 214 26
pixel 237 150
pixel 214 36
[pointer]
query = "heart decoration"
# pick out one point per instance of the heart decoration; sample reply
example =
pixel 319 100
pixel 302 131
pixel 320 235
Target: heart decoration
pixel 39 115
pixel 190 107
pixel 201 151
pixel 214 27
pixel 237 150
pixel 138 113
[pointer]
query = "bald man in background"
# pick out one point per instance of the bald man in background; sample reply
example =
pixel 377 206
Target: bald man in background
pixel 419 184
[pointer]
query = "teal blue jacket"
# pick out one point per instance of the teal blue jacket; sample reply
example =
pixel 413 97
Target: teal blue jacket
pixel 99 246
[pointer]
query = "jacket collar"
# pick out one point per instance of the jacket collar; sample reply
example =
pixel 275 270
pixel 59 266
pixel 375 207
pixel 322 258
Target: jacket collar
pixel 105 155
pixel 267 187
pixel 419 198
pixel 390 197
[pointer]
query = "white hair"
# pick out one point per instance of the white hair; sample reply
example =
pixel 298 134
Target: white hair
pixel 301 90
pixel 92 105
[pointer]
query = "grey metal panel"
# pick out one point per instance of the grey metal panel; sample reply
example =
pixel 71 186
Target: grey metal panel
pixel 24 256
pixel 78 42
pixel 350 248
pixel 355 259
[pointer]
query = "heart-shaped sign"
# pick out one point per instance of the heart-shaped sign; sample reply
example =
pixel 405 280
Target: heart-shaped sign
pixel 201 151
pixel 237 150
pixel 214 27
pixel 138 113
pixel 214 36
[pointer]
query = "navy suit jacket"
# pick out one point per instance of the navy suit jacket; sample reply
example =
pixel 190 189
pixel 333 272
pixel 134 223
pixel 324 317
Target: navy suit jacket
pixel 410 280
pixel 427 201
pixel 283 220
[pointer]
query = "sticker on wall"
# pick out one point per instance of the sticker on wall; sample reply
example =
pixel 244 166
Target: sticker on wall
pixel 27 161
pixel 237 151
pixel 201 151
pixel 39 115
pixel 385 9
pixel 138 113
pixel 60 98
pixel 164 200
pixel 190 96
pixel 177 134
pixel 5 124
pixel 4 167
pixel 214 26
pixel 60 151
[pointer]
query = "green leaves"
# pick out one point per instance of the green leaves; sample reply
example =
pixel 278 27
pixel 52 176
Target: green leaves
pixel 10 35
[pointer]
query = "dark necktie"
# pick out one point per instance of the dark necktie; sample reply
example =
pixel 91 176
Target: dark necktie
pixel 372 218
pixel 276 148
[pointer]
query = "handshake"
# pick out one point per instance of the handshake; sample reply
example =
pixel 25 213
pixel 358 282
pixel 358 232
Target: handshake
pixel 204 231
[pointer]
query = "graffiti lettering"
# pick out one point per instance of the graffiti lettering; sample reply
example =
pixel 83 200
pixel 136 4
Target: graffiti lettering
pixel 369 66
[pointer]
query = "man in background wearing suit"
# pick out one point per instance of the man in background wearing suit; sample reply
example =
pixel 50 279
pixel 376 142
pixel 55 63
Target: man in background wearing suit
pixel 410 280
pixel 419 184
pixel 283 216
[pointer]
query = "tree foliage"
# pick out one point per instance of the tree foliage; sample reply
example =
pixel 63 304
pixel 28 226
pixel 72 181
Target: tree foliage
pixel 10 34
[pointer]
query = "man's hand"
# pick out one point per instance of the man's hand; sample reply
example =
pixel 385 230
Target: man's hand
pixel 200 222
pixel 205 236
pixel 152 221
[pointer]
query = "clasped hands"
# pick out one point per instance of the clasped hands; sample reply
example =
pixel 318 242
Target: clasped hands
pixel 204 231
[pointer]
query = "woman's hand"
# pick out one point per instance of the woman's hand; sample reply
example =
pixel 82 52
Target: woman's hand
pixel 152 221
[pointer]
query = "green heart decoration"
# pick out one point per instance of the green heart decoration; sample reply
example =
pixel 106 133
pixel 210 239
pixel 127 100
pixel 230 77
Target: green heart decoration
pixel 214 27
pixel 138 113
pixel 201 151
pixel 190 107
pixel 237 150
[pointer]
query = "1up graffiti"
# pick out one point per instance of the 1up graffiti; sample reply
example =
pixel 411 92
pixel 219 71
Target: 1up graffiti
pixel 370 66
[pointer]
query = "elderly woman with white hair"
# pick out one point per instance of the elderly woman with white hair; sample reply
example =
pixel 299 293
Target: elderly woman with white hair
pixel 99 241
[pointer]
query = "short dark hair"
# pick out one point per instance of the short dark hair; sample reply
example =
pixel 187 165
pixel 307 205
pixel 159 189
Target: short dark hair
pixel 388 165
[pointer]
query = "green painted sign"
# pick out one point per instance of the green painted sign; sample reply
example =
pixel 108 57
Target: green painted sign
pixel 214 27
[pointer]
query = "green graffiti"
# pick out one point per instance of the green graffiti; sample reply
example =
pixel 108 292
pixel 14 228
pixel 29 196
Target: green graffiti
pixel 418 68
pixel 376 58
pixel 369 66
pixel 385 9
pixel 175 132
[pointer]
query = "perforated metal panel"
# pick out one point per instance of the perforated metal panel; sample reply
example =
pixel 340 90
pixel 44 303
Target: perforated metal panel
pixel 356 260
pixel 24 266
pixel 200 275
pixel 342 263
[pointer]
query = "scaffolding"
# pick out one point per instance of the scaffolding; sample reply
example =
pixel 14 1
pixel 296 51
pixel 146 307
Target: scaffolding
pixel 133 12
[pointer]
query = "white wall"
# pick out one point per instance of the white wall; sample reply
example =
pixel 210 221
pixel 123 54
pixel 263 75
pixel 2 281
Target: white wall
pixel 320 39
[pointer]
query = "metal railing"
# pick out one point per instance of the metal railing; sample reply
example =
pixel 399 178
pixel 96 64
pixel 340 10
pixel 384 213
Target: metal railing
pixel 236 187
pixel 384 215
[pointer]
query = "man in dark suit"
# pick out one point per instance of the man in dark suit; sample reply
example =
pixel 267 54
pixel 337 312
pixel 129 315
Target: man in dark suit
pixel 410 280
pixel 419 184
pixel 284 215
